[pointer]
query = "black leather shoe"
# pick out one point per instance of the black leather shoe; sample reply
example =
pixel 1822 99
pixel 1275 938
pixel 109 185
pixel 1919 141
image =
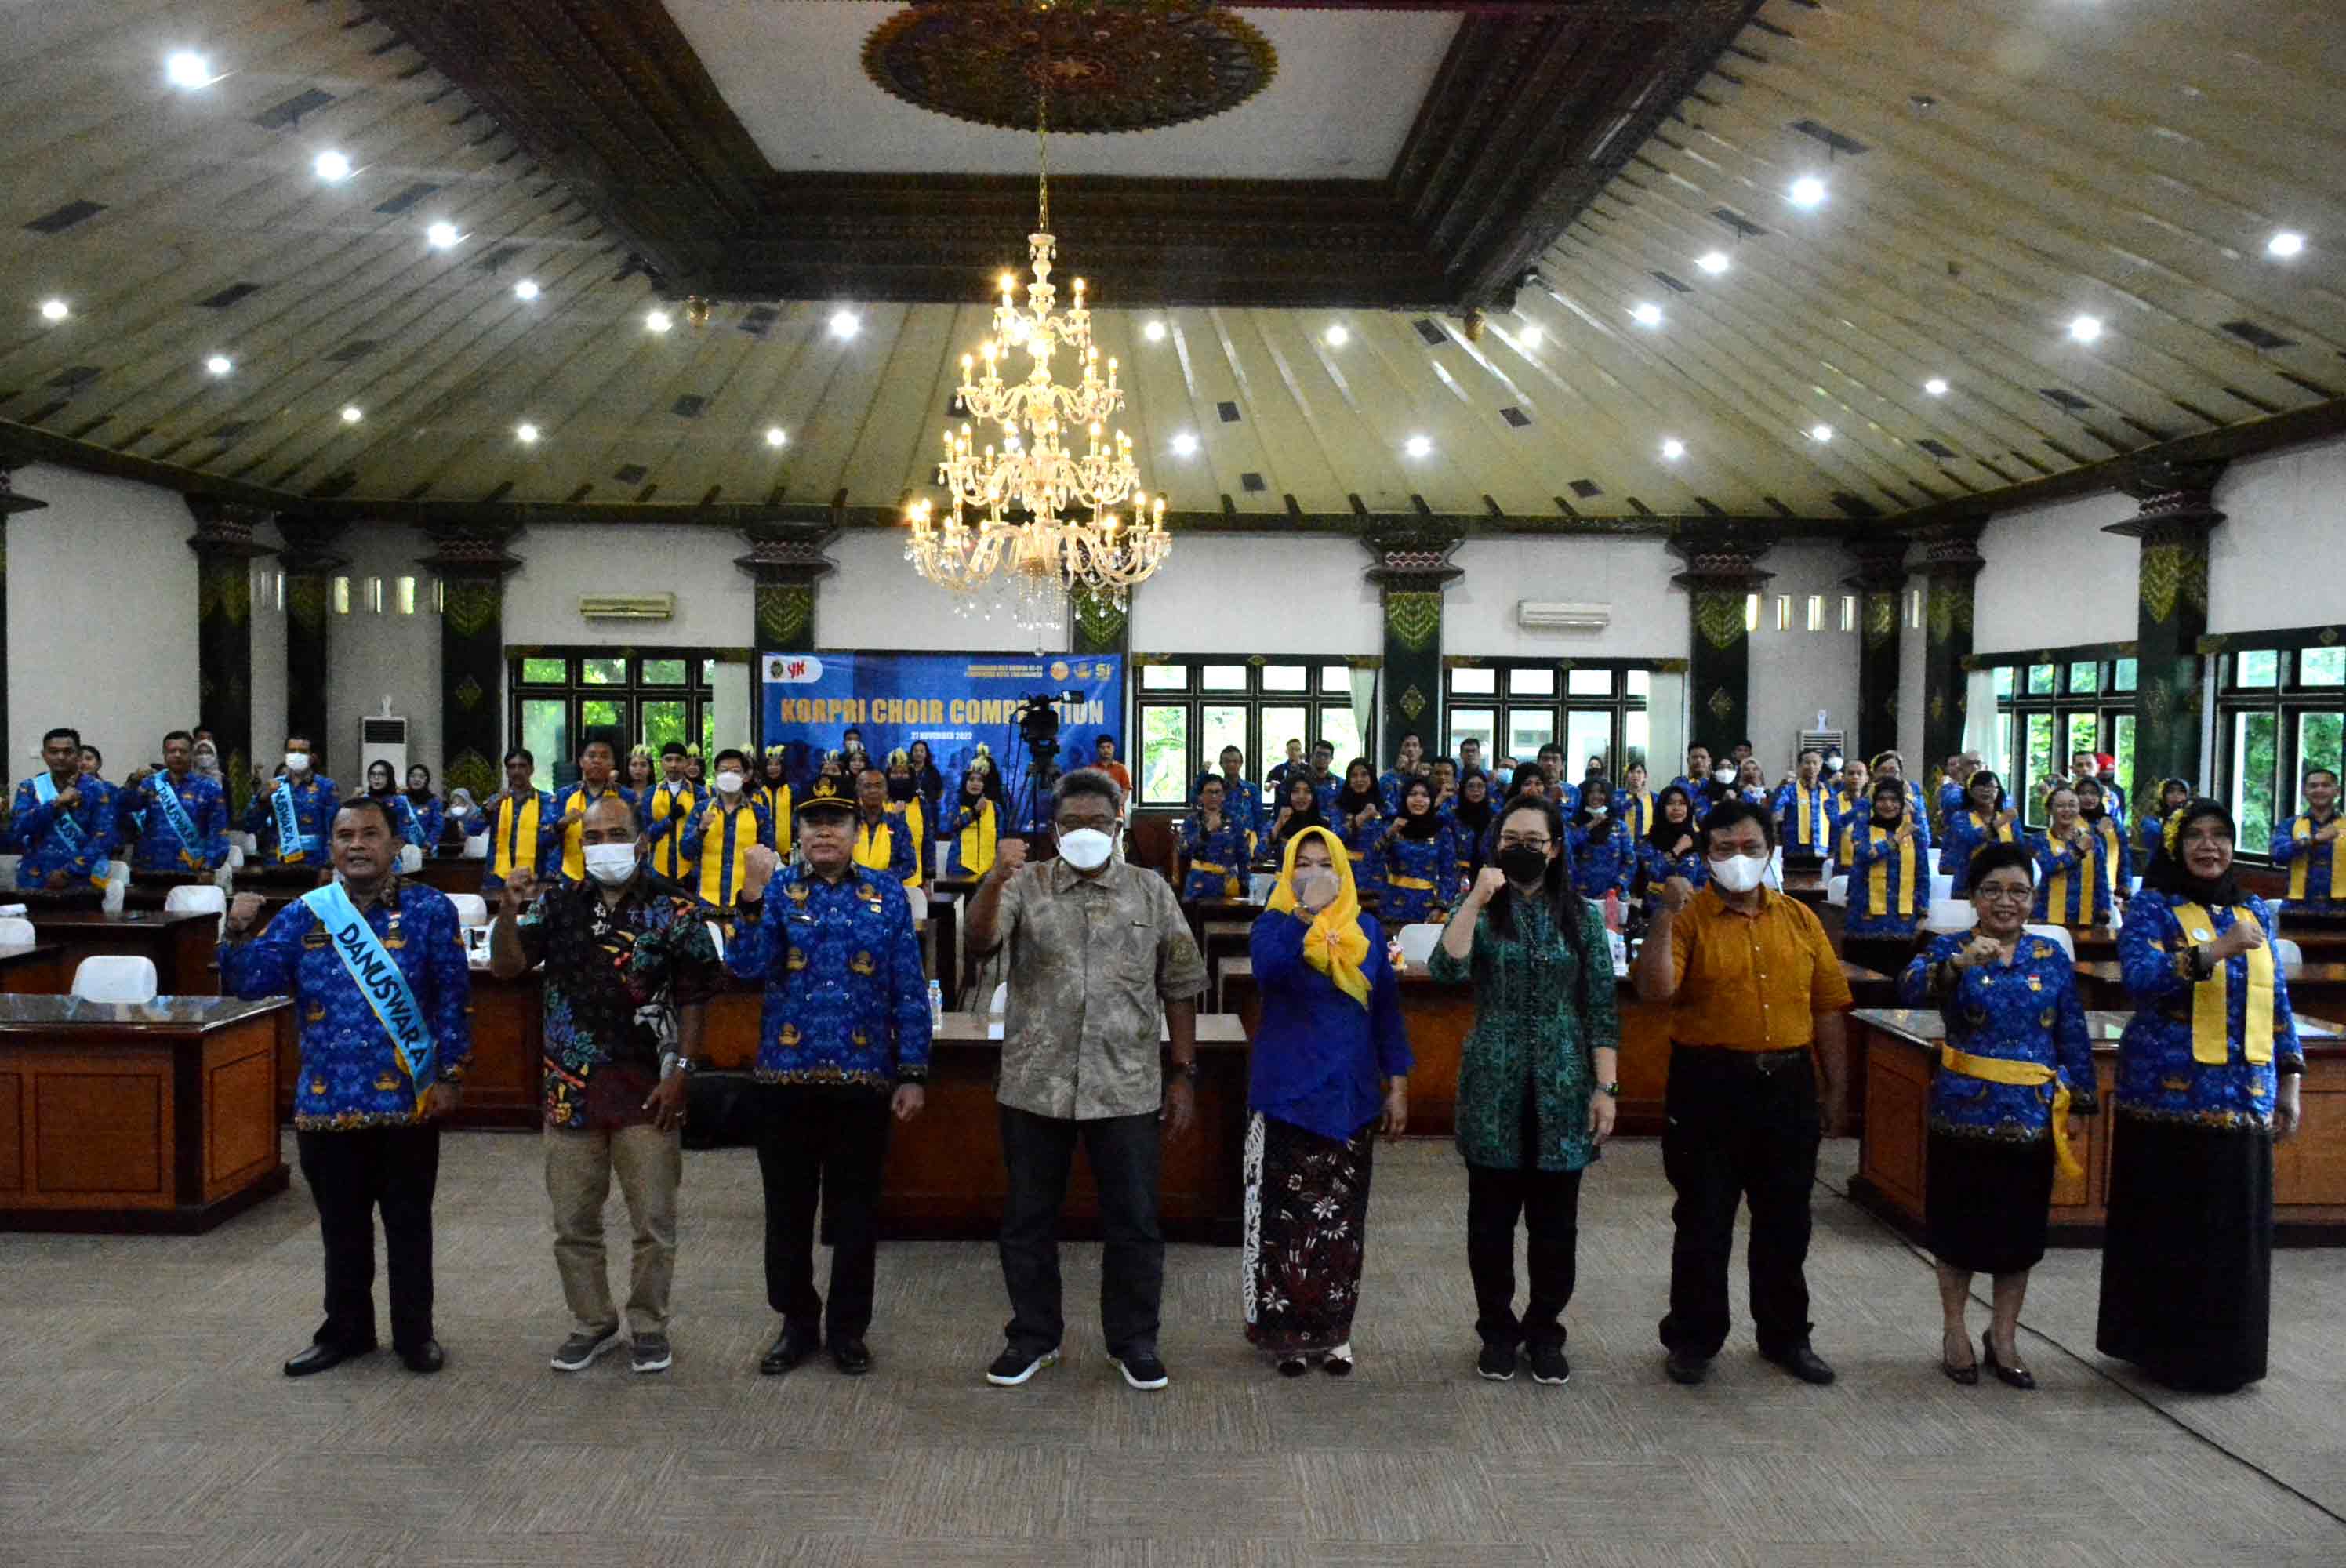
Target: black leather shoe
pixel 1804 1364
pixel 428 1357
pixel 851 1357
pixel 322 1355
pixel 792 1347
pixel 1685 1368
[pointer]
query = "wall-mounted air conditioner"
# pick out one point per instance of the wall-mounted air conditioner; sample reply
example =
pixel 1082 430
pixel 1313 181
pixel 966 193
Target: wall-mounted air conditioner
pixel 628 606
pixel 1534 615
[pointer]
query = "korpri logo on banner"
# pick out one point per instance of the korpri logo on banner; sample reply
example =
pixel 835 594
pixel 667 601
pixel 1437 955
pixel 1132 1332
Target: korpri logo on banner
pixel 792 669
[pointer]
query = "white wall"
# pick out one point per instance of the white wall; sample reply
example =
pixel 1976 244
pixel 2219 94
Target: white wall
pixel 1261 592
pixel 715 606
pixel 101 617
pixel 370 657
pixel 1630 576
pixel 2054 579
pixel 2272 564
pixel 1796 672
pixel 873 600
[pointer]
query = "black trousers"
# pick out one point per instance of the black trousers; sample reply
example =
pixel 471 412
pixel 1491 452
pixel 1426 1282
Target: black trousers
pixel 1124 1153
pixel 826 1143
pixel 351 1174
pixel 1549 1203
pixel 1735 1132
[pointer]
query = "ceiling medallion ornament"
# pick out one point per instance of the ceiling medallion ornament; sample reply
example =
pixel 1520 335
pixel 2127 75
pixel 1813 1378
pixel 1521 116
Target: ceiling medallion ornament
pixel 1108 64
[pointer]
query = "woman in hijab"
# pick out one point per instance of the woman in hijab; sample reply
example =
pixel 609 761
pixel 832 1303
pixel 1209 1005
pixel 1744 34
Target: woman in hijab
pixel 1752 783
pixel 2173 795
pixel 1536 1089
pixel 973 831
pixel 1472 812
pixel 1981 818
pixel 2207 1084
pixel 1889 881
pixel 1302 808
pixel 1358 816
pixel 1673 845
pixel 429 813
pixel 1417 859
pixel 1331 1068
pixel 382 787
pixel 1603 853
pixel 2076 857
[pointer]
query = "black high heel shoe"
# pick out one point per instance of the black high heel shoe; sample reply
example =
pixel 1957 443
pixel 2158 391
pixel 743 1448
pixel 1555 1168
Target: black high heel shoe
pixel 1967 1376
pixel 2013 1377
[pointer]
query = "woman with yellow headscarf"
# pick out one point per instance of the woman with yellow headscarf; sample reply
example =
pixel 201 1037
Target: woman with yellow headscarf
pixel 1330 1069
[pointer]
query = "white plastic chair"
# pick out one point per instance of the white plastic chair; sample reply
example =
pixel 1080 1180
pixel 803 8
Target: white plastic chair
pixel 1943 885
pixel 2287 954
pixel 1417 943
pixel 920 902
pixel 1001 1002
pixel 236 857
pixel 477 848
pixel 195 898
pixel 8 869
pixel 1258 886
pixel 115 977
pixel 410 860
pixel 1950 914
pixel 16 933
pixel 472 909
pixel 1837 891
pixel 2059 933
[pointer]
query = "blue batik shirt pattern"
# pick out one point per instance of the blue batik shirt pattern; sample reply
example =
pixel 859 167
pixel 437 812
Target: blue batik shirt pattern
pixel 1657 866
pixel 1966 834
pixel 846 999
pixel 1602 865
pixel 2158 1076
pixel 542 861
pixel 158 848
pixel 1429 859
pixel 351 1076
pixel 33 834
pixel 315 801
pixel 2026 1011
pixel 1868 849
pixel 1228 846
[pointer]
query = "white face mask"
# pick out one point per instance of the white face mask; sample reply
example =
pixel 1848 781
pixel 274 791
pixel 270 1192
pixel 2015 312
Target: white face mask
pixel 729 782
pixel 297 762
pixel 1599 811
pixel 1724 774
pixel 1739 874
pixel 1087 849
pixel 610 864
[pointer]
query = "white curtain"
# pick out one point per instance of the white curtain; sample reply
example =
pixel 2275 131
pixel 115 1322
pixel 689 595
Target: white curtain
pixel 1665 728
pixel 1364 708
pixel 1981 732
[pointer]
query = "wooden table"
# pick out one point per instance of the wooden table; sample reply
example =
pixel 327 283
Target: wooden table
pixel 152 1116
pixel 33 969
pixel 182 945
pixel 2316 988
pixel 1902 1053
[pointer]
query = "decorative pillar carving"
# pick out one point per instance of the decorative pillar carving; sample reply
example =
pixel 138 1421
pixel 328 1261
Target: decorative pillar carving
pixel 471 563
pixel 1951 561
pixel 1099 622
pixel 10 505
pixel 225 549
pixel 785 562
pixel 1879 579
pixel 1722 574
pixel 309 566
pixel 2177 512
pixel 1412 569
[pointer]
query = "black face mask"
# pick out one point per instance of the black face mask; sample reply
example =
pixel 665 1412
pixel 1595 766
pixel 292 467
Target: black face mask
pixel 1523 864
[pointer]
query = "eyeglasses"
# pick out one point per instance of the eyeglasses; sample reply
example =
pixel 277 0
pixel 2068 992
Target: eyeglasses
pixel 1517 842
pixel 1994 894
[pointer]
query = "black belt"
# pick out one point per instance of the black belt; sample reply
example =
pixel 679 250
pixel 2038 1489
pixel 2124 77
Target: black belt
pixel 1766 1063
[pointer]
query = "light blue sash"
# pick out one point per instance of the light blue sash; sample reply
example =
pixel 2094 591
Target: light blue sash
pixel 409 828
pixel 379 979
pixel 290 845
pixel 175 811
pixel 68 829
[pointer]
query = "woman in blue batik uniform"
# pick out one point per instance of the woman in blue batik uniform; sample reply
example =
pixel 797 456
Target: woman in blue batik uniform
pixel 2207 1082
pixel 971 830
pixel 1213 846
pixel 1603 851
pixel 1981 818
pixel 1889 881
pixel 1417 860
pixel 1406 766
pixel 1673 845
pixel 2016 1063
pixel 2076 861
pixel 1470 821
pixel 1357 815
pixel 2174 794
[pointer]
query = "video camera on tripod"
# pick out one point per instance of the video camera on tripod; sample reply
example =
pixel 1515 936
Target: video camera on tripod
pixel 1037 724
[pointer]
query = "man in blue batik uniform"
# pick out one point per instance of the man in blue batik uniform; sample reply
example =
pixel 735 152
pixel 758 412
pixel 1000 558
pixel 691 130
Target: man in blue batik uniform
pixel 182 816
pixel 380 1067
pixel 291 817
pixel 62 824
pixel 843 1040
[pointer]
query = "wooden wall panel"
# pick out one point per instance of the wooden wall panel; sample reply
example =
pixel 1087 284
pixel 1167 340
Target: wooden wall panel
pixel 11 1131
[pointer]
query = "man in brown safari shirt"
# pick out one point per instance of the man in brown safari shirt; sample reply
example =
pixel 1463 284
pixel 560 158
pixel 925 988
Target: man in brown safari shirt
pixel 1097 949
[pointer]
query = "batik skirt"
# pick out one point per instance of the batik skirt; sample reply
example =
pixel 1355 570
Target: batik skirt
pixel 1306 1207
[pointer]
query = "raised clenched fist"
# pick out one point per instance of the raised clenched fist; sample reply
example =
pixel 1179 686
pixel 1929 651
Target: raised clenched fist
pixel 1489 883
pixel 759 866
pixel 520 888
pixel 242 910
pixel 1009 858
pixel 1676 893
pixel 1978 951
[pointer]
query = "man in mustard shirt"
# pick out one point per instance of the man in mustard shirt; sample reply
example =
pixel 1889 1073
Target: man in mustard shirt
pixel 1756 995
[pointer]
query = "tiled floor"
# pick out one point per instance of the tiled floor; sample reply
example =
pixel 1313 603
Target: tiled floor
pixel 143 1421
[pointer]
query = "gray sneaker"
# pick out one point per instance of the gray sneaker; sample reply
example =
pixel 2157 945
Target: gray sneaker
pixel 651 1353
pixel 583 1349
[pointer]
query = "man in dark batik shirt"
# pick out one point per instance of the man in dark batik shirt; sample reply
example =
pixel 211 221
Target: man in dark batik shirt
pixel 629 966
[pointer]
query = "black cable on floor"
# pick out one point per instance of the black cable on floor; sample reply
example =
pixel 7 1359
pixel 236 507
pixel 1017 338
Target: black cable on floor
pixel 2097 1369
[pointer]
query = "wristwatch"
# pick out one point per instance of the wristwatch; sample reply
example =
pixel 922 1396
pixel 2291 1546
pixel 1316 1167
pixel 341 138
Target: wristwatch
pixel 1613 1088
pixel 673 1062
pixel 1187 1069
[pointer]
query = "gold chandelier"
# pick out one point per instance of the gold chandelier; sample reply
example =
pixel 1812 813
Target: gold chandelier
pixel 1020 507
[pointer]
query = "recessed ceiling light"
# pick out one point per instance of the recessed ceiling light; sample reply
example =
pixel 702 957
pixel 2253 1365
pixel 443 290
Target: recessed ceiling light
pixel 777 436
pixel 1531 337
pixel 1819 433
pixel 525 432
pixel 2285 244
pixel 1713 262
pixel 525 290
pixel 1936 386
pixel 1673 449
pixel 657 320
pixel 2085 329
pixel 1646 314
pixel 1808 191
pixel 1339 335
pixel 1154 332
pixel 1185 444
pixel 1420 445
pixel 442 235
pixel 350 413
pixel 332 165
pixel 186 68
pixel 845 323
pixel 54 311
pixel 219 364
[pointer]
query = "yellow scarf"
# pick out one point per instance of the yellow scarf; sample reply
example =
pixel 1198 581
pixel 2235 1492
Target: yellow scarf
pixel 680 801
pixel 2305 828
pixel 574 815
pixel 777 797
pixel 516 825
pixel 1877 881
pixel 725 839
pixel 2212 999
pixel 876 842
pixel 1804 798
pixel 2101 853
pixel 1994 831
pixel 978 840
pixel 1335 945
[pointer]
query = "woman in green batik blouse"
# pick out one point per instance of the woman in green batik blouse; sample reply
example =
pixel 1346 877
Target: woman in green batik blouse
pixel 1535 1079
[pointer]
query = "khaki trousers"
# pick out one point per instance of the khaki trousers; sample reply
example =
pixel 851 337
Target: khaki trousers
pixel 579 1167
